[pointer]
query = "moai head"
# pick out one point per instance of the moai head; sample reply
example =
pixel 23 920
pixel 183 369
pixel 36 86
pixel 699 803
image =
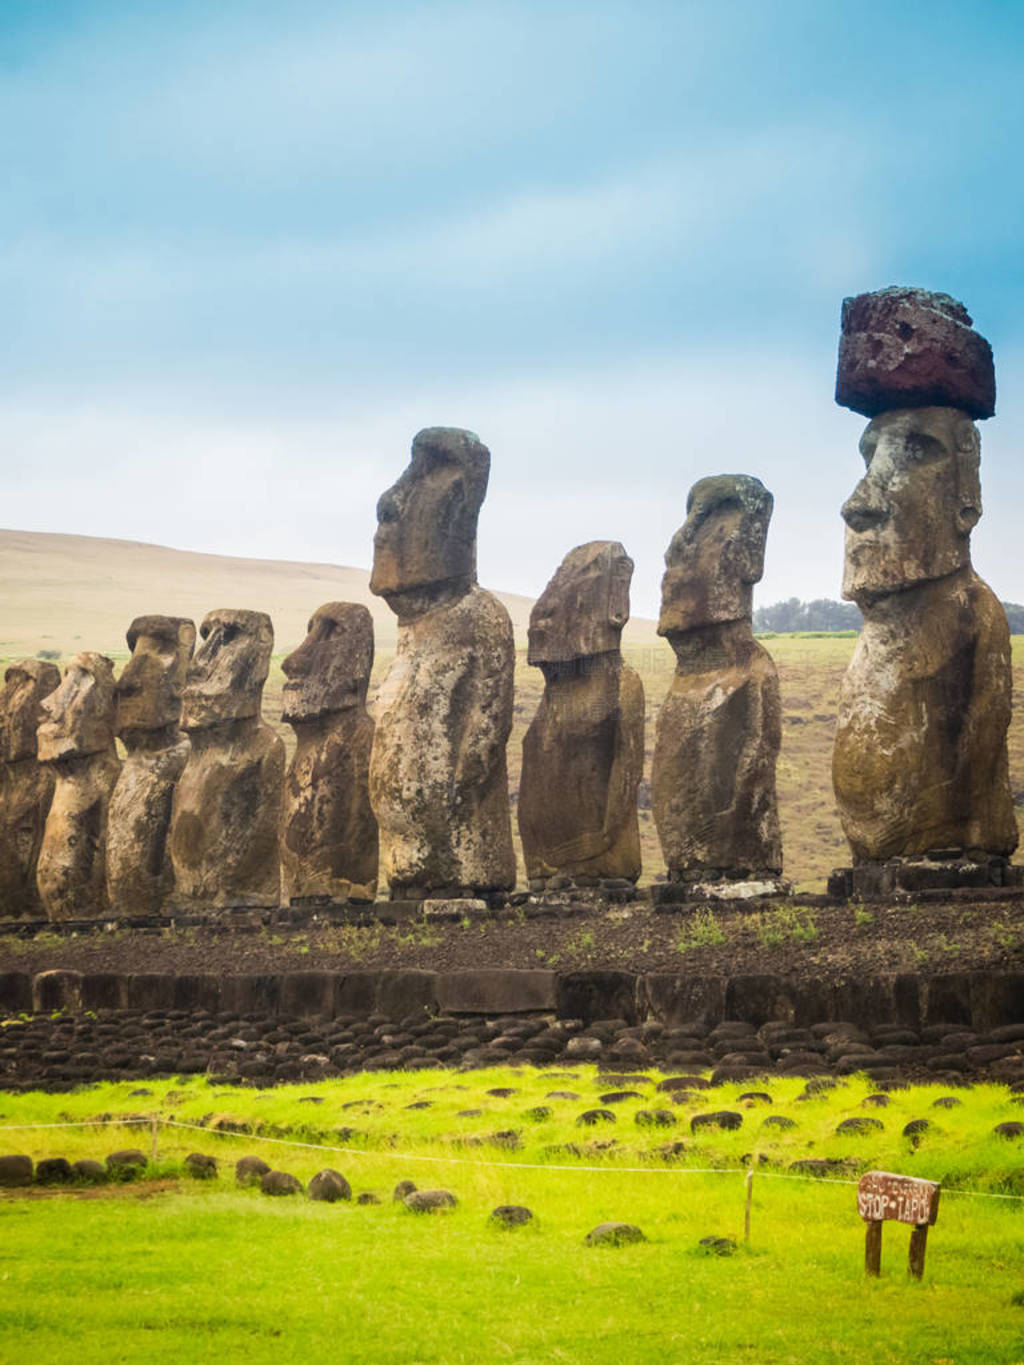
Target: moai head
pixel 330 670
pixel 26 683
pixel 910 361
pixel 226 677
pixel 78 718
pixel 149 689
pixel 910 518
pixel 426 522
pixel 582 610
pixel 717 555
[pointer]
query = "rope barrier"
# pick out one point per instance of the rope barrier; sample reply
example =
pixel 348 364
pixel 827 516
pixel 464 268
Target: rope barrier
pixel 471 1161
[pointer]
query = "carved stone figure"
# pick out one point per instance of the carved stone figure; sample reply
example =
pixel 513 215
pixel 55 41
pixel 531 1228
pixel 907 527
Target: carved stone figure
pixel 26 785
pixel 76 737
pixel 438 775
pixel 148 696
pixel 920 762
pixel 224 819
pixel 719 728
pixel 328 830
pixel 584 751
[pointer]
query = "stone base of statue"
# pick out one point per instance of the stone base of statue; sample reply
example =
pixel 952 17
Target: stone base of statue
pixel 596 890
pixel 719 886
pixel 943 870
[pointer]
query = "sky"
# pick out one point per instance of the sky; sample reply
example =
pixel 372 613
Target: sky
pixel 249 249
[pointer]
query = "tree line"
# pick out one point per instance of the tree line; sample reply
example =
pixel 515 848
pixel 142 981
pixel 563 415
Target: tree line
pixel 823 614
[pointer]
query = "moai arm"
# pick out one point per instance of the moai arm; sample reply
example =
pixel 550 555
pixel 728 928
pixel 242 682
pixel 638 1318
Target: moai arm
pixel 486 663
pixel 628 765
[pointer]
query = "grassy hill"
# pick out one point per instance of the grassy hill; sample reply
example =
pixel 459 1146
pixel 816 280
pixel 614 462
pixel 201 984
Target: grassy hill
pixel 66 593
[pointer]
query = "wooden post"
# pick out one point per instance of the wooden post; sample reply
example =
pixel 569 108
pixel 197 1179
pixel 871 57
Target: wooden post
pixel 154 1125
pixel 746 1215
pixel 918 1243
pixel 873 1248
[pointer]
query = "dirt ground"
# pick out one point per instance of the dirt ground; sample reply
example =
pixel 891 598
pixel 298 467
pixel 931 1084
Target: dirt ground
pixel 826 942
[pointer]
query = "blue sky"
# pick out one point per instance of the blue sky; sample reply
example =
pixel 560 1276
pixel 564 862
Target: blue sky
pixel 249 249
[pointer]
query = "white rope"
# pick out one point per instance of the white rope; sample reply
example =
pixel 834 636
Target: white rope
pixel 470 1161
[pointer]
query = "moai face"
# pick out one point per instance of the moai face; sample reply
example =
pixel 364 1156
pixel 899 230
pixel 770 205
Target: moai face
pixel 149 689
pixel 582 610
pixel 717 555
pixel 78 718
pixel 910 518
pixel 426 522
pixel 225 680
pixel 330 670
pixel 26 683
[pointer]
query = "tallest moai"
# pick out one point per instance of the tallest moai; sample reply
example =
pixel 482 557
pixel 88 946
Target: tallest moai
pixel 920 762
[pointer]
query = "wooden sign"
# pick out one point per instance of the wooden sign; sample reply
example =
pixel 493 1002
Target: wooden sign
pixel 897 1198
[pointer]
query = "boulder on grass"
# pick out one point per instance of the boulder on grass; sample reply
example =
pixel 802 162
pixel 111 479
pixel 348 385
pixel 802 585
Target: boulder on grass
pixel 430 1201
pixel 403 1188
pixel 328 1186
pixel 511 1216
pixel 280 1183
pixel 54 1170
pixel 89 1172
pixel 614 1234
pixel 15 1171
pixel 126 1164
pixel 250 1170
pixel 200 1166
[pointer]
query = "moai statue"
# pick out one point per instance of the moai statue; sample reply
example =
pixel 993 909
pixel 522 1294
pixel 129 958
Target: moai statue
pixel 26 785
pixel 438 775
pixel 76 737
pixel 328 831
pixel 148 696
pixel 920 764
pixel 583 754
pixel 224 819
pixel 719 729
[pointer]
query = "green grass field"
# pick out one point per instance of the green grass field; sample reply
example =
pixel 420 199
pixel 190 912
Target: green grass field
pixel 175 1270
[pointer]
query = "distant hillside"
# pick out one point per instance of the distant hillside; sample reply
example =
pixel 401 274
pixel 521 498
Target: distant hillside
pixel 67 593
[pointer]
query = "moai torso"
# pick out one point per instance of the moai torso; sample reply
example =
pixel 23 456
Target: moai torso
pixel 920 761
pixel 438 775
pixel 226 808
pixel 26 785
pixel 140 877
pixel 76 737
pixel 328 830
pixel 719 729
pixel 583 752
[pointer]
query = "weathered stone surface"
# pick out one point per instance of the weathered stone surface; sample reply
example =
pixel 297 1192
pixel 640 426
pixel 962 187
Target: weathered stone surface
pixel 491 990
pixel 328 1186
pixel 201 1166
pixel 148 697
pixel 908 348
pixel 328 830
pixel 719 729
pixel 15 1171
pixel 76 738
pixel 511 1215
pixel 250 1170
pixel 280 1183
pixel 224 819
pixel 583 752
pixel 126 1164
pixel 430 1201
pixel 614 1234
pixel 920 761
pixel 438 773
pixel 89 1172
pixel 26 785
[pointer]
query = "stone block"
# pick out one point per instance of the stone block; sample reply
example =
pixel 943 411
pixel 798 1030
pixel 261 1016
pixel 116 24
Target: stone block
pixel 103 991
pixel 908 348
pixel 598 995
pixel 682 999
pixel 199 992
pixel 997 999
pixel 496 991
pixel 406 992
pixel 56 990
pixel 758 998
pixel 947 998
pixel 149 991
pixel 250 993
pixel 308 995
pixel 355 994
pixel 15 992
